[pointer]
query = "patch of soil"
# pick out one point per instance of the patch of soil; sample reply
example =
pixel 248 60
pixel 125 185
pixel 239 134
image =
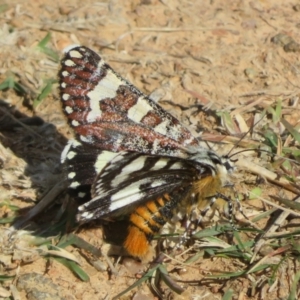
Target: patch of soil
pixel 197 59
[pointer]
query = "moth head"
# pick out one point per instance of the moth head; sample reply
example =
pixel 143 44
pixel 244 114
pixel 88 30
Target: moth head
pixel 224 168
pixel 208 159
pixel 228 164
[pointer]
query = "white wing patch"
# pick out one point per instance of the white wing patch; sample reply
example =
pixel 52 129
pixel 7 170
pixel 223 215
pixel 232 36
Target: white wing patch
pixel 138 111
pixel 126 172
pixel 126 196
pixel 103 159
pixel 66 154
pixel 162 162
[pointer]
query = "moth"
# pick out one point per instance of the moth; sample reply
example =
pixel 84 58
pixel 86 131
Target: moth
pixel 130 157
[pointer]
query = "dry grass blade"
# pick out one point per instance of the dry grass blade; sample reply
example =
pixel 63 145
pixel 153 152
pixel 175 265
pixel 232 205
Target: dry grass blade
pixel 15 293
pixel 276 224
pixel 267 174
pixel 59 253
pixel 265 259
pixel 287 210
pixel 294 205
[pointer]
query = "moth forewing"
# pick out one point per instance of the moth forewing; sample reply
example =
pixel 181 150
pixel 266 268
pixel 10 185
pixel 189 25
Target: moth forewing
pixel 142 164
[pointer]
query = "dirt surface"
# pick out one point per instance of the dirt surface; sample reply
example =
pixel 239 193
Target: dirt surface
pixel 196 58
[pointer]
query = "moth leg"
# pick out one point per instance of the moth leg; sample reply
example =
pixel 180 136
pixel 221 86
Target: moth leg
pixel 231 209
pixel 204 211
pixel 230 212
pixel 189 227
pixel 194 218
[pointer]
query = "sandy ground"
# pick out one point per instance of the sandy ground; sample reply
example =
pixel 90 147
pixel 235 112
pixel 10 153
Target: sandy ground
pixel 196 58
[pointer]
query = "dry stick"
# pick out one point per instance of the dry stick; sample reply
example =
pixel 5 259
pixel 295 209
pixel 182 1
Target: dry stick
pixel 15 293
pixel 267 93
pixel 277 223
pixel 290 211
pixel 248 106
pixel 269 175
pixel 272 177
pixel 163 30
pixel 169 29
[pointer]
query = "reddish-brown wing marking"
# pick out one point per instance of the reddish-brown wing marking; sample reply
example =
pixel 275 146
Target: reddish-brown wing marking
pixel 111 114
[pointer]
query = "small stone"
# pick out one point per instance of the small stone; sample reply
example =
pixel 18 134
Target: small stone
pixel 250 73
pixel 65 10
pixel 4 293
pixel 296 7
pixel 281 39
pixel 38 287
pixel 292 47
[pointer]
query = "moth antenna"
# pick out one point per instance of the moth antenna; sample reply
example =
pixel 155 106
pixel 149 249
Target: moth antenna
pixel 252 149
pixel 243 136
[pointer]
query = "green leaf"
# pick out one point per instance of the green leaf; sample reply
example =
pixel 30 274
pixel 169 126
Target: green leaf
pixel 6 277
pixel 295 287
pixel 73 267
pixel 271 138
pixel 259 268
pixel 51 53
pixel 3 8
pixel 145 277
pixel 227 275
pixel 19 88
pixel 6 84
pixel 8 220
pixel 277 114
pixel 290 204
pixel 228 295
pixel 10 83
pixel 48 51
pixel 210 251
pixel 264 215
pixel 228 122
pixel 235 250
pixel 10 206
pixel 74 240
pixel 291 130
pixel 195 257
pixel 289 234
pixel 255 193
pixel 208 232
pixel 45 40
pixel 45 92
pixel 169 281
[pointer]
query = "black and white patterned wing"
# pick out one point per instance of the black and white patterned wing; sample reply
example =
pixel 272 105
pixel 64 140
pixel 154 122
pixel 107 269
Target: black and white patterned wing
pixel 131 178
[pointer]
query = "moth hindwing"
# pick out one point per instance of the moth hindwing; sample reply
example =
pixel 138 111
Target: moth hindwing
pixel 130 157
